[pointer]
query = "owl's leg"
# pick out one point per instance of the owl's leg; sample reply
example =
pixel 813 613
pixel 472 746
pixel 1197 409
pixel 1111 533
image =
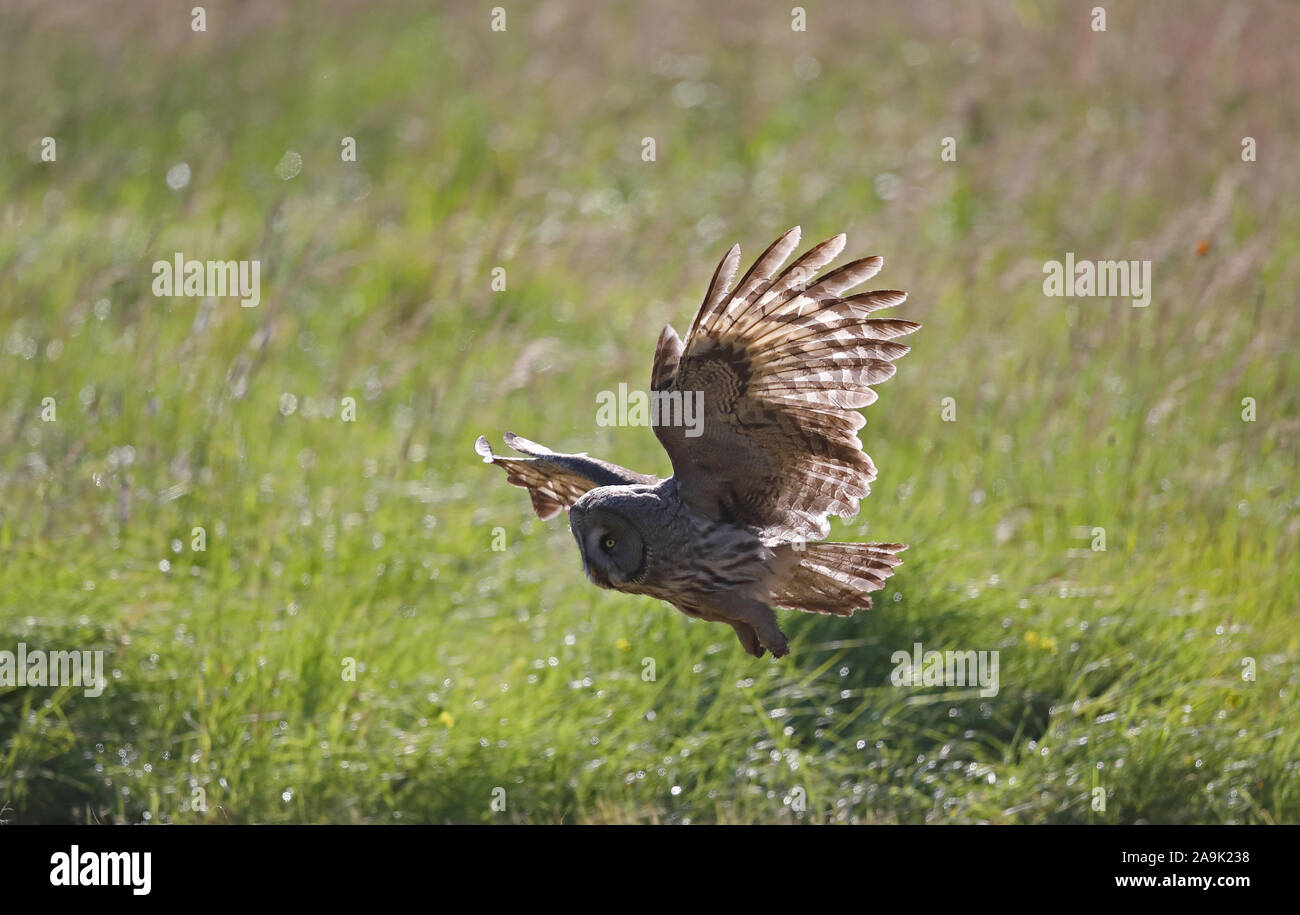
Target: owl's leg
pixel 755 616
pixel 748 638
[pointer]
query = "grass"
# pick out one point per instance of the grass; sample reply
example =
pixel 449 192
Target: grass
pixel 333 545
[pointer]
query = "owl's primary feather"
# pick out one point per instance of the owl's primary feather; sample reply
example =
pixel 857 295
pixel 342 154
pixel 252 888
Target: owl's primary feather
pixel 783 361
pixel 556 481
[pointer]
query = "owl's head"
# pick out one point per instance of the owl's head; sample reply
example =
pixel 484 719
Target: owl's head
pixel 611 536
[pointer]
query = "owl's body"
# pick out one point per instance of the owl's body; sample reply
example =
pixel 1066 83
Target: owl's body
pixel 782 363
pixel 695 564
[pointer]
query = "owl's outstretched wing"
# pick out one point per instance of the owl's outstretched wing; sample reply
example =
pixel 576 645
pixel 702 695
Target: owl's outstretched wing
pixel 556 481
pixel 783 363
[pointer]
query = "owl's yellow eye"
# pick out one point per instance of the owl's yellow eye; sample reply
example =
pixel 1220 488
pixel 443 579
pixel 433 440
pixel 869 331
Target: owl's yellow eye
pixel 608 543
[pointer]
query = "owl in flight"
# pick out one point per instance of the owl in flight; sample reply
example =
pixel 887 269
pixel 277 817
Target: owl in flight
pixel 783 361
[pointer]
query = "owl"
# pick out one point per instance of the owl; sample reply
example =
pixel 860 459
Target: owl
pixel 778 366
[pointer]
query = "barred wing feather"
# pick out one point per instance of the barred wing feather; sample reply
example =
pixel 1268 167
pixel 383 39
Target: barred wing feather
pixel 555 481
pixel 784 362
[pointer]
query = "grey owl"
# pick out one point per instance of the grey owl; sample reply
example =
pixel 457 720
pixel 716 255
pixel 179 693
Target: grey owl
pixel 782 362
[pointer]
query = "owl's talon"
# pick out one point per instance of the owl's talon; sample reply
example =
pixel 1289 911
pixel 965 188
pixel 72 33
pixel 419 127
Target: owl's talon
pixel 779 647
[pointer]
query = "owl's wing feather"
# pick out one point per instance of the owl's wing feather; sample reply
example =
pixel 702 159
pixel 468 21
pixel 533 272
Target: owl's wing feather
pixel 783 363
pixel 555 481
pixel 668 351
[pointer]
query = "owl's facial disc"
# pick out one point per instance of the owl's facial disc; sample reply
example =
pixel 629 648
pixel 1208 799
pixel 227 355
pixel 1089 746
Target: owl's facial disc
pixel 613 553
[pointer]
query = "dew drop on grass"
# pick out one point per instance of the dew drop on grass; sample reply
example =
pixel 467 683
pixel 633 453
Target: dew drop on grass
pixel 888 186
pixel 289 166
pixel 178 176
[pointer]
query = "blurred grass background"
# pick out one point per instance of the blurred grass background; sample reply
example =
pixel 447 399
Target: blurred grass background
pixel 326 540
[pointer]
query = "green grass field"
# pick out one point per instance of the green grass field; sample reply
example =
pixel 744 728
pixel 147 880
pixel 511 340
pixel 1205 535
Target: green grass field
pixel 333 544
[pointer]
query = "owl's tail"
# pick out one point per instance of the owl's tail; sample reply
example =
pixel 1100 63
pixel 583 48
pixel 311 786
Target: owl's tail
pixel 833 578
